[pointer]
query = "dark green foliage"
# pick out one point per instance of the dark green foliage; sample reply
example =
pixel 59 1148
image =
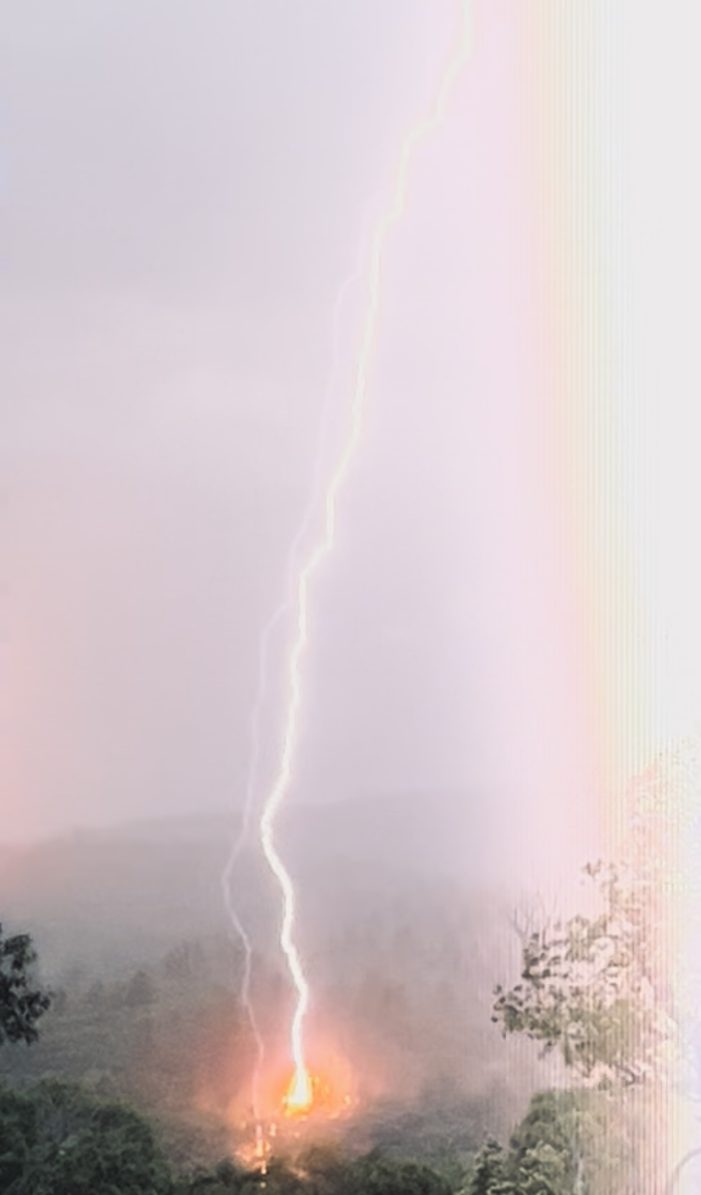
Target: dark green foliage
pixel 547 1121
pixel 442 1130
pixel 325 1171
pixel 375 1175
pixel 541 1171
pixel 488 1171
pixel 222 1180
pixel 545 1148
pixel 21 1004
pixel 552 1152
pixel 56 1140
pixel 152 1042
pixel 321 1171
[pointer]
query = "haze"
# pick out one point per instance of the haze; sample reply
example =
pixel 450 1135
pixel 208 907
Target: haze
pixel 503 637
pixel 184 191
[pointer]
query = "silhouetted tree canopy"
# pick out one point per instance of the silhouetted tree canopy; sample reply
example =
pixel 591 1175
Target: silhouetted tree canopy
pixel 375 1175
pixel 21 1004
pixel 57 1140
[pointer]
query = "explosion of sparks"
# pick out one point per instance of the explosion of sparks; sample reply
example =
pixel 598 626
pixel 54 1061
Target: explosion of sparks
pixel 301 1094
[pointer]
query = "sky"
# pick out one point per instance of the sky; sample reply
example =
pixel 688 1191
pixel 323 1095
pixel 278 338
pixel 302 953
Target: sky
pixel 187 193
pixel 186 189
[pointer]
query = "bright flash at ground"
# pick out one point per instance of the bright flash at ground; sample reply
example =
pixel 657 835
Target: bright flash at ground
pixel 299 1097
pixel 315 1095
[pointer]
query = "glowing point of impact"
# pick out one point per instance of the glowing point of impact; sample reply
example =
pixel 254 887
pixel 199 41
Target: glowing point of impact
pixel 300 1094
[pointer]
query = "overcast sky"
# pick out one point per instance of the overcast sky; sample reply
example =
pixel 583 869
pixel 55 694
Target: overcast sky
pixel 185 189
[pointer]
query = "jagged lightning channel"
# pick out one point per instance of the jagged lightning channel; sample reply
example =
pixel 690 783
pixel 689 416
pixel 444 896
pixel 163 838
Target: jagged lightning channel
pixel 301 1091
pixel 261 690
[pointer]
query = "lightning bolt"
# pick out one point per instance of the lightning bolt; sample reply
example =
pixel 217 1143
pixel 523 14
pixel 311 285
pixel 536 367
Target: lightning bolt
pixel 300 1093
pixel 261 691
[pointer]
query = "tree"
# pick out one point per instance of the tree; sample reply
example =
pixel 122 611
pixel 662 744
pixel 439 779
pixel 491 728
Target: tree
pixel 606 990
pixel 375 1175
pixel 140 991
pixel 546 1148
pixel 21 1004
pixel 325 1171
pixel 225 1178
pixel 488 1170
pixel 587 987
pixel 57 1140
pixel 542 1170
pixel 551 1152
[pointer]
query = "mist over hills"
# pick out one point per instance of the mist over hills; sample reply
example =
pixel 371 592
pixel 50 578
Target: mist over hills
pixel 402 932
pixel 128 891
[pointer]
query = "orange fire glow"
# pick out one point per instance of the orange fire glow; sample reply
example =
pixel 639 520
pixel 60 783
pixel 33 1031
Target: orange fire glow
pixel 317 1094
pixel 295 1103
pixel 299 1097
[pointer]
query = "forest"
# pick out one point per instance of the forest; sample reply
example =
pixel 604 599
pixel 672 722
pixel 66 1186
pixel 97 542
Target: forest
pixel 498 1050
